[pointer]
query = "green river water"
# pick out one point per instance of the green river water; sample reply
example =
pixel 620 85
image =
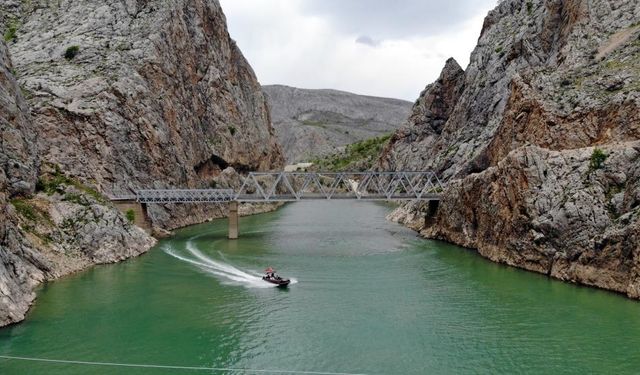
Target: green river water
pixel 369 298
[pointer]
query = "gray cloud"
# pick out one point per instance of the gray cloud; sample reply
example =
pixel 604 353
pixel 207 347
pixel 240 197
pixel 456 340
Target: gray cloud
pixel 367 40
pixel 382 19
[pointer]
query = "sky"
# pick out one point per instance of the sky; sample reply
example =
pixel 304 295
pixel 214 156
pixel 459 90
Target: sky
pixel 388 48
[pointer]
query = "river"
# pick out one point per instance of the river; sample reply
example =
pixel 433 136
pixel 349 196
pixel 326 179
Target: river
pixel 369 297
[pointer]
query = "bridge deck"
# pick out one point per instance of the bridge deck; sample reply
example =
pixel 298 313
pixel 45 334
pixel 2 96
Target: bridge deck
pixel 297 186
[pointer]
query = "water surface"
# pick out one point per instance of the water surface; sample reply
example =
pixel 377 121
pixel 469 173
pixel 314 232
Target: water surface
pixel 370 297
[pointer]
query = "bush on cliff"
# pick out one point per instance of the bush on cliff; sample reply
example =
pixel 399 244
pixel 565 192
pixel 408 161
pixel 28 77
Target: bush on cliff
pixel 597 159
pixel 25 209
pixel 11 33
pixel 131 215
pixel 55 182
pixel 71 52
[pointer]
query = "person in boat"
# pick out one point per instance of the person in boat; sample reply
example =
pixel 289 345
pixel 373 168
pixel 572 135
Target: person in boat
pixel 272 277
pixel 270 273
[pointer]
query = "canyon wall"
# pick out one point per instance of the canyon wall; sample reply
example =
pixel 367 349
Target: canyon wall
pixel 20 268
pixel 538 138
pixel 139 94
pixel 49 234
pixel 100 98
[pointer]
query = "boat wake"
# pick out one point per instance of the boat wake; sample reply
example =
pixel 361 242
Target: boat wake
pixel 225 272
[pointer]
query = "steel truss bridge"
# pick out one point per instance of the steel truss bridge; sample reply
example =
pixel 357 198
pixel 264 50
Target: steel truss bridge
pixel 297 186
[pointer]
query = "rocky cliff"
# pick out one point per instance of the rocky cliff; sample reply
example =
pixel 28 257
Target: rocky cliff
pixel 100 98
pixel 20 268
pixel 315 123
pixel 63 228
pixel 135 94
pixel 538 137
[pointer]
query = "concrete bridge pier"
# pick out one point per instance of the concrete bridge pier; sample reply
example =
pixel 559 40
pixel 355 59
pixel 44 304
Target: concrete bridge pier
pixel 140 216
pixel 233 220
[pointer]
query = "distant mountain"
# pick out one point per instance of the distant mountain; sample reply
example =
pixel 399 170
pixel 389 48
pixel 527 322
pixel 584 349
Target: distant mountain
pixel 314 123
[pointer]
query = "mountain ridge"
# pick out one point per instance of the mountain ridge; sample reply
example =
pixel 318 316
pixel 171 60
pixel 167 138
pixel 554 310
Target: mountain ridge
pixel 312 123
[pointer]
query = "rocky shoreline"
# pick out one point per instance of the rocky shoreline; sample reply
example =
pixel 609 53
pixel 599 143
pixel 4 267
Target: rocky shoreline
pixel 538 212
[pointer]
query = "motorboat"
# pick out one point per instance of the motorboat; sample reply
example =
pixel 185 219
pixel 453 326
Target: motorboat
pixel 273 278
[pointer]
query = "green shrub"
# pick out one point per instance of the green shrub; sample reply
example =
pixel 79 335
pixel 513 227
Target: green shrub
pixel 314 123
pixel 232 130
pixel 25 209
pixel 131 215
pixel 92 192
pixel 529 7
pixel 31 212
pixel 597 159
pixel 10 34
pixel 55 184
pixel 71 52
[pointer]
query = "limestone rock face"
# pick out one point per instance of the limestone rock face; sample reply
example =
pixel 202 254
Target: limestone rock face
pixel 428 116
pixel 113 96
pixel 551 212
pixel 18 159
pixel 140 94
pixel 537 77
pixel 49 235
pixel 73 230
pixel 515 134
pixel 20 266
pixel 314 123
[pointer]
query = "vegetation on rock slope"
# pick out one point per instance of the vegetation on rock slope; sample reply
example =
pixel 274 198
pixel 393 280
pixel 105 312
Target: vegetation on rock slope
pixel 359 156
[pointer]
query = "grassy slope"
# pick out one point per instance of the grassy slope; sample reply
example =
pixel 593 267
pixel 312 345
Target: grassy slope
pixel 357 156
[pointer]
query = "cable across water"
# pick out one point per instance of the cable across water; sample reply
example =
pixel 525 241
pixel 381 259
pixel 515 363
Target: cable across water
pixel 171 367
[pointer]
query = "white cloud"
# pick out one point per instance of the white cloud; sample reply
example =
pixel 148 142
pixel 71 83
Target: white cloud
pixel 397 18
pixel 288 46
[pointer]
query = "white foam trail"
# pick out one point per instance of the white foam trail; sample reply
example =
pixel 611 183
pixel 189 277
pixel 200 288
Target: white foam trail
pixel 224 258
pixel 228 273
pixel 227 268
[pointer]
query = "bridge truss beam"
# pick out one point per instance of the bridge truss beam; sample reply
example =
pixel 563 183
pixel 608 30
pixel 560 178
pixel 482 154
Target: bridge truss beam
pixel 185 196
pixel 295 186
